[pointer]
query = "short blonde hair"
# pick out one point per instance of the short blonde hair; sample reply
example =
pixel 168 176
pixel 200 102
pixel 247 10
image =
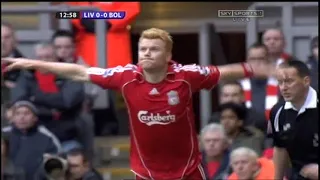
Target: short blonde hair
pixel 155 33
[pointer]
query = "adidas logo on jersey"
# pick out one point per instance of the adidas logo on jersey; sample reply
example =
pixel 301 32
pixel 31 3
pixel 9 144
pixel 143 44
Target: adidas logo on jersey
pixel 154 91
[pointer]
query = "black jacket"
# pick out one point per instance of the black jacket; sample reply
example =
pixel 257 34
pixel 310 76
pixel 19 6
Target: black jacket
pixel 68 100
pixel 10 76
pixel 14 74
pixel 26 149
pixel 11 172
pixel 92 175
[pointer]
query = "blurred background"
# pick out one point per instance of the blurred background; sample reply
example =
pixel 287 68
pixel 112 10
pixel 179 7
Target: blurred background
pixel 196 29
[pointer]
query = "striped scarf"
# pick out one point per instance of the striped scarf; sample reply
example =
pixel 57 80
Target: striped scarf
pixel 271 94
pixel 271 89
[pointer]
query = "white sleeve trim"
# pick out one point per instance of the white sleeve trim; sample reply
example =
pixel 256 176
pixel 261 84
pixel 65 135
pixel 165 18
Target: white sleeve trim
pixel 7 129
pixel 54 139
pixel 276 120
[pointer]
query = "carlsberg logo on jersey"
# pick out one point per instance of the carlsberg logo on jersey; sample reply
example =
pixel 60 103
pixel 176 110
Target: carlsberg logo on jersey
pixel 156 118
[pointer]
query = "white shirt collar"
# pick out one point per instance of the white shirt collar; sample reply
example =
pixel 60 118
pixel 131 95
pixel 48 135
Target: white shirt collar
pixel 310 102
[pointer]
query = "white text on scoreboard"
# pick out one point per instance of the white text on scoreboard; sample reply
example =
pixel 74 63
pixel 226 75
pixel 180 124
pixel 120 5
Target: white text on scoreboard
pixel 240 13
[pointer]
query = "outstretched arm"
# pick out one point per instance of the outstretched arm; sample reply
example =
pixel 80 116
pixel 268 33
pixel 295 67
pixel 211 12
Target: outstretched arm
pixel 235 71
pixel 206 77
pixel 110 78
pixel 71 71
pixel 242 70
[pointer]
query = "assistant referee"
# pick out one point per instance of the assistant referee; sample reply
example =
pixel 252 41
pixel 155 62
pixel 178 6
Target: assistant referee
pixel 294 124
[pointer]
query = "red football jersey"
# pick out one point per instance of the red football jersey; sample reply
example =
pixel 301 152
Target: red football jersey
pixel 164 142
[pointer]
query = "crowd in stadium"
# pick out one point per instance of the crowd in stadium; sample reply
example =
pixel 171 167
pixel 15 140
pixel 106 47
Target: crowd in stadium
pixel 44 115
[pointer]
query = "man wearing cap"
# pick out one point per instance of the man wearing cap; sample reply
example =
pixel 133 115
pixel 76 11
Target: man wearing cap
pixel 28 140
pixel 312 63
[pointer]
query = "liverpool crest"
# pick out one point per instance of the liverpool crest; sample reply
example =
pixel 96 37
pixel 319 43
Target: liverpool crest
pixel 173 98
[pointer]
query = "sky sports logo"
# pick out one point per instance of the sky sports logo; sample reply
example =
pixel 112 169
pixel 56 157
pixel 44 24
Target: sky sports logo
pixel 240 15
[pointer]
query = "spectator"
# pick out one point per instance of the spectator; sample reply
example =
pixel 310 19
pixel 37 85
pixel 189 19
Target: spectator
pixel 232 116
pixel 215 157
pixel 313 63
pixel 63 42
pixel 44 51
pixel 232 92
pixel 260 93
pixel 64 46
pixel 9 49
pixel 275 42
pixel 246 165
pixel 28 140
pixel 8 170
pixel 80 166
pixel 59 100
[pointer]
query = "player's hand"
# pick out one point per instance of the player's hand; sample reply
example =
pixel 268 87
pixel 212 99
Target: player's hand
pixel 310 171
pixel 9 84
pixel 18 63
pixel 263 70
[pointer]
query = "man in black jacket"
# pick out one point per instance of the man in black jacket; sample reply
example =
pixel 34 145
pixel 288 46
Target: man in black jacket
pixel 64 50
pixel 28 140
pixel 80 167
pixel 59 100
pixel 8 49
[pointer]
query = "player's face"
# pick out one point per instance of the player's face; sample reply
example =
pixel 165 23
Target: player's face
pixel 274 40
pixel 231 93
pixel 214 143
pixel 257 56
pixel 230 121
pixel 244 166
pixel 153 55
pixel 291 85
pixel 7 41
pixel 64 48
pixel 23 118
